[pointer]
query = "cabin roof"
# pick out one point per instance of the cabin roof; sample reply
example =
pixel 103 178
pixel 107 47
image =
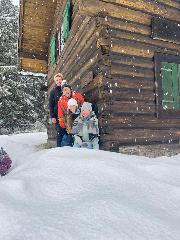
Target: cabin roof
pixel 35 24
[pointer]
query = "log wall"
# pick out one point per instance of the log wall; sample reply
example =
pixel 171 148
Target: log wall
pixel 109 56
pixel 129 115
pixel 80 57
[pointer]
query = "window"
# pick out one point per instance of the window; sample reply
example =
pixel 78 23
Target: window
pixel 58 40
pixel 66 24
pixel 167 73
pixel 53 50
pixel 66 20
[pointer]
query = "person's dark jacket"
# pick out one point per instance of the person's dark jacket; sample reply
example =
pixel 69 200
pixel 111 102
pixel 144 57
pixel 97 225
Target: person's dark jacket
pixel 55 94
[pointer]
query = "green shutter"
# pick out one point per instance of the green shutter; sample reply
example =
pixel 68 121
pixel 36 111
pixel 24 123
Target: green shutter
pixel 170 86
pixel 53 50
pixel 175 85
pixel 66 20
pixel 179 80
pixel 167 98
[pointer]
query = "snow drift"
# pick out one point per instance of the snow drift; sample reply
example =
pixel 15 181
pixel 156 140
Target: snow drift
pixel 80 194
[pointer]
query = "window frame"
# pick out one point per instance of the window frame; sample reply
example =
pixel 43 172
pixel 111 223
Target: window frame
pixel 53 42
pixel 58 36
pixel 66 22
pixel 160 112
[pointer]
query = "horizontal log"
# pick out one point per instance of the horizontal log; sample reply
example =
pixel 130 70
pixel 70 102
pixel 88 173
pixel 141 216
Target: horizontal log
pixel 131 71
pixel 109 145
pixel 119 94
pixel 96 7
pixel 129 83
pixel 152 8
pixel 129 47
pixel 131 61
pixel 140 136
pixel 131 78
pixel 33 65
pixel 139 122
pixel 147 145
pixel 113 108
pixel 33 55
pixel 135 37
pixel 117 23
pixel 170 3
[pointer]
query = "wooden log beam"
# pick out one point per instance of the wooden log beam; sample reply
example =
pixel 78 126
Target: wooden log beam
pixel 142 122
pixel 131 61
pixel 129 83
pixel 142 135
pixel 33 65
pixel 33 55
pixel 115 23
pixel 119 94
pixel 97 7
pixel 150 7
pixel 114 108
pixel 130 47
pixel 118 34
pixel 131 71
pixel 109 146
pixel 170 3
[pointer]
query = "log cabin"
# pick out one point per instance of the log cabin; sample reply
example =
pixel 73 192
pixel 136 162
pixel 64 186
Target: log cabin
pixel 123 55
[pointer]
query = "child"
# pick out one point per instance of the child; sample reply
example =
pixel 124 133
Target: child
pixel 73 107
pixel 85 128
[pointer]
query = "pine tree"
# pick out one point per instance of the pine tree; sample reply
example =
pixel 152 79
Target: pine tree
pixel 21 101
pixel 8 99
pixel 8 33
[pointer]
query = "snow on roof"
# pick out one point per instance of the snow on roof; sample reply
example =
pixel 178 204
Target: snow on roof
pixel 32 73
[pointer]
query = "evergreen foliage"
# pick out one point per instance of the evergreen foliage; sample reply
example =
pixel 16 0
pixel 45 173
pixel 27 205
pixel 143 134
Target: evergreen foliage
pixel 22 104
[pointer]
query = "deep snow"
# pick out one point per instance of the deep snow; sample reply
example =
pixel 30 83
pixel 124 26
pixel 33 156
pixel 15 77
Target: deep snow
pixel 80 194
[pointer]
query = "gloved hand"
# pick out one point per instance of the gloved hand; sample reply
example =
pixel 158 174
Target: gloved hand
pixel 77 137
pixel 92 136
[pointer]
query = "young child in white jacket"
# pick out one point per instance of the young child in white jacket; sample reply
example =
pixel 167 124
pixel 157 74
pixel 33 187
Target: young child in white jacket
pixel 85 128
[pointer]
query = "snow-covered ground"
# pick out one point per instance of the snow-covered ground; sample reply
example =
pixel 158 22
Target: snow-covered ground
pixel 80 194
pixel 15 2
